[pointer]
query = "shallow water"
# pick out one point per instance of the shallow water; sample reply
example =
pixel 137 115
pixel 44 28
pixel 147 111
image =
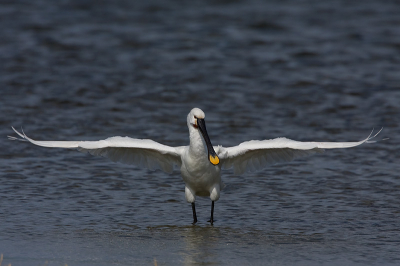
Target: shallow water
pixel 85 70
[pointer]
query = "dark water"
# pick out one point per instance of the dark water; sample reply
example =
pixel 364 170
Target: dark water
pixel 306 70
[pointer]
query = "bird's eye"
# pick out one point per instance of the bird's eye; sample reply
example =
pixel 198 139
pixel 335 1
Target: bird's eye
pixel 195 117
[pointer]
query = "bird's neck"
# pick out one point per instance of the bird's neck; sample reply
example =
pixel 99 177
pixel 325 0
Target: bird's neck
pixel 197 145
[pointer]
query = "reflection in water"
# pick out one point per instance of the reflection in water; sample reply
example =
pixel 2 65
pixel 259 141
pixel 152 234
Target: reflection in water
pixel 201 245
pixel 212 245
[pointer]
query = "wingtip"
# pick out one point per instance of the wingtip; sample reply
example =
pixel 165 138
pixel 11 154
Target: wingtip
pixel 19 134
pixel 369 139
pixel 23 136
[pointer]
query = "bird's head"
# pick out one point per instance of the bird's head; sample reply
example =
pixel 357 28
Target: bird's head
pixel 195 120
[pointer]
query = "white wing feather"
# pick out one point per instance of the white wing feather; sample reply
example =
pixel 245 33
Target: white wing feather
pixel 140 152
pixel 255 155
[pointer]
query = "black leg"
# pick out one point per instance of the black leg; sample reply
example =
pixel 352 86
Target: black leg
pixel 194 213
pixel 212 213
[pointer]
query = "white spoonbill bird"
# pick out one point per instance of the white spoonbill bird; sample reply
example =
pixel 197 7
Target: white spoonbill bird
pixel 200 162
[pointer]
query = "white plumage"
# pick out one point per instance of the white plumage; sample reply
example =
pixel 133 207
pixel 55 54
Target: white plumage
pixel 200 163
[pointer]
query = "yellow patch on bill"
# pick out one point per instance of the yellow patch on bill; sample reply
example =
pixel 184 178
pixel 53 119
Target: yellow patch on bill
pixel 214 159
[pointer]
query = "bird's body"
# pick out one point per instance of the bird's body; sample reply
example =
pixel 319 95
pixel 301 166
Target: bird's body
pixel 200 163
pixel 201 177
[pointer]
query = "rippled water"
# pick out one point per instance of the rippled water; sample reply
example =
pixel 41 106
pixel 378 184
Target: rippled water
pixel 306 70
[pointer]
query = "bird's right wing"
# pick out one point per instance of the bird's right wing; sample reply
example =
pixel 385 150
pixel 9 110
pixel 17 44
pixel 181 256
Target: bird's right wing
pixel 255 155
pixel 140 152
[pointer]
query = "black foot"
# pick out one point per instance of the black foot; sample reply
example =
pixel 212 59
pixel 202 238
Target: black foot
pixel 212 213
pixel 194 214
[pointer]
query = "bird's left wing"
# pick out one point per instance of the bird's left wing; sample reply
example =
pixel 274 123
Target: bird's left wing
pixel 140 152
pixel 255 155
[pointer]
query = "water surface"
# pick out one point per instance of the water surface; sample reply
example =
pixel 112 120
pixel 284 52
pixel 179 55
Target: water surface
pixel 306 70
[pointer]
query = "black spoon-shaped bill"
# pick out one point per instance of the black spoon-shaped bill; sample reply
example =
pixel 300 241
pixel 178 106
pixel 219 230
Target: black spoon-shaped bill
pixel 212 155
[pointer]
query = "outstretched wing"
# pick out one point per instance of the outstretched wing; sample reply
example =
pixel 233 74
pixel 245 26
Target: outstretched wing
pixel 140 152
pixel 255 155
